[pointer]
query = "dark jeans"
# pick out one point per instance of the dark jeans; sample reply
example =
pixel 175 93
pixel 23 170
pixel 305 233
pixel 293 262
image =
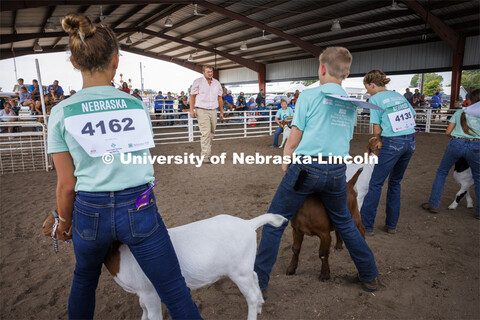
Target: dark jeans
pixel 276 135
pixel 393 160
pixel 101 217
pixel 328 182
pixel 456 149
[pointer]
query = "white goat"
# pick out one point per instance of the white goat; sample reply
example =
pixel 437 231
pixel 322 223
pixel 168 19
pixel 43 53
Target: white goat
pixel 286 132
pixel 363 182
pixel 207 250
pixel 463 175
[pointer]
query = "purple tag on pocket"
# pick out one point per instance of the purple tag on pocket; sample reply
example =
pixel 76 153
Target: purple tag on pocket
pixel 142 199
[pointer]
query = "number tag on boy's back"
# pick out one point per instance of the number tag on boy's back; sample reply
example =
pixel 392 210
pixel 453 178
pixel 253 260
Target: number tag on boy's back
pixel 401 117
pixel 109 125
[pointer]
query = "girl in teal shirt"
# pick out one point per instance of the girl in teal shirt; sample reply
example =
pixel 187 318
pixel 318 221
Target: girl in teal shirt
pixel 394 128
pixel 96 198
pixel 465 143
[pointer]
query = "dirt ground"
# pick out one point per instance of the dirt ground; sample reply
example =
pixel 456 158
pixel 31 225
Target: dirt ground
pixel 428 270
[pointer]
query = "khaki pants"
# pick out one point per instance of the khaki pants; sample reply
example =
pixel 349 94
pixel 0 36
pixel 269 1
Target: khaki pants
pixel 207 121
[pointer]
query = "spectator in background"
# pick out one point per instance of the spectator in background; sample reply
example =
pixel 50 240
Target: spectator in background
pixel 159 96
pixel 58 89
pixel 183 107
pixel 228 101
pixel 7 115
pixel 25 99
pixel 250 102
pixel 224 91
pixel 289 97
pixel 72 92
pixel 409 96
pixel 180 97
pixel 241 100
pixel 51 99
pixel 125 88
pixel 20 84
pixel 467 96
pixel 292 103
pixel 260 97
pixel 34 90
pixel 136 94
pixel 416 99
pixel 295 96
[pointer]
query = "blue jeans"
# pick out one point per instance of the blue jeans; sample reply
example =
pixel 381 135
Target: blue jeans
pixel 456 149
pixel 102 217
pixel 276 135
pixel 328 182
pixel 393 160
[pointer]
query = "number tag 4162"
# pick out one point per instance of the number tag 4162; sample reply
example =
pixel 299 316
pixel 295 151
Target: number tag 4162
pixel 113 131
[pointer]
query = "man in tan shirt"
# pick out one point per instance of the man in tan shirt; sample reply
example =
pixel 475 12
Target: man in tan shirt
pixel 205 98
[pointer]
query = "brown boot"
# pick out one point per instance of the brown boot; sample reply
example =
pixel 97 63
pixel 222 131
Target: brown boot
pixel 369 286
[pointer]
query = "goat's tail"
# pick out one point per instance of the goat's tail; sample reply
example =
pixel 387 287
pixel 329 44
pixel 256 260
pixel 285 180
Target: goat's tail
pixel 353 180
pixel 275 220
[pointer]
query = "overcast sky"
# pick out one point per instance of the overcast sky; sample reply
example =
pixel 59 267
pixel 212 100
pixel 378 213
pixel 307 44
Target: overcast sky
pixel 158 75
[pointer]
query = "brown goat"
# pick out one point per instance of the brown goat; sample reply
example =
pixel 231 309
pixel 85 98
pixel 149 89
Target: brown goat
pixel 312 219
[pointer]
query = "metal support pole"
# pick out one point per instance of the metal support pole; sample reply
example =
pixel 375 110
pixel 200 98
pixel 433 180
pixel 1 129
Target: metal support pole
pixel 42 99
pixel 190 128
pixel 428 120
pixel 245 123
pixel 270 122
pixel 141 78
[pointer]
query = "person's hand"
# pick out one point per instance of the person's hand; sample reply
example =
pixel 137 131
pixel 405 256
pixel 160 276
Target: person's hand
pixel 221 117
pixel 282 125
pixel 285 167
pixel 192 113
pixel 378 146
pixel 64 231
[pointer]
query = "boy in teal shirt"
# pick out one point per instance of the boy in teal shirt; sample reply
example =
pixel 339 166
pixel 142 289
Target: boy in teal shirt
pixel 285 113
pixel 320 125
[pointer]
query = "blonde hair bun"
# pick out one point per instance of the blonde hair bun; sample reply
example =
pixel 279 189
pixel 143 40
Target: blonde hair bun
pixel 76 24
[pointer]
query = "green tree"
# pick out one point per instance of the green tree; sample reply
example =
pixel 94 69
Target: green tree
pixel 470 78
pixel 430 87
pixel 428 78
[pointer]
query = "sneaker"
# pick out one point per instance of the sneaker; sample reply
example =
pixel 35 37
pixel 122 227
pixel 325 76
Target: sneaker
pixel 427 207
pixel 369 286
pixel 369 234
pixel 273 146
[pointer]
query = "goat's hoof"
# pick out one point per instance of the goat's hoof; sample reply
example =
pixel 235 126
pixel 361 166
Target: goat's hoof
pixel 452 207
pixel 291 271
pixel 324 277
pixel 338 248
pixel 470 207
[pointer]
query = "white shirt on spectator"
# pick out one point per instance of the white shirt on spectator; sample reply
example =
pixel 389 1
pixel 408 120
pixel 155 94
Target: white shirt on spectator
pixel 206 94
pixel 4 116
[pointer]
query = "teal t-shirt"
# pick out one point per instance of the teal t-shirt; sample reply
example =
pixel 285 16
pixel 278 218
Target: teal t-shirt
pixel 92 174
pixel 391 102
pixel 283 114
pixel 327 124
pixel 472 121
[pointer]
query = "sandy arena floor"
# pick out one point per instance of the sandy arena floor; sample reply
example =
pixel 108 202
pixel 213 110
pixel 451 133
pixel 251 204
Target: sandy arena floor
pixel 429 269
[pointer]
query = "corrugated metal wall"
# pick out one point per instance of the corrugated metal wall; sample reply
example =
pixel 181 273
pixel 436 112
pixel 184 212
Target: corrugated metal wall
pixel 432 55
pixel 472 51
